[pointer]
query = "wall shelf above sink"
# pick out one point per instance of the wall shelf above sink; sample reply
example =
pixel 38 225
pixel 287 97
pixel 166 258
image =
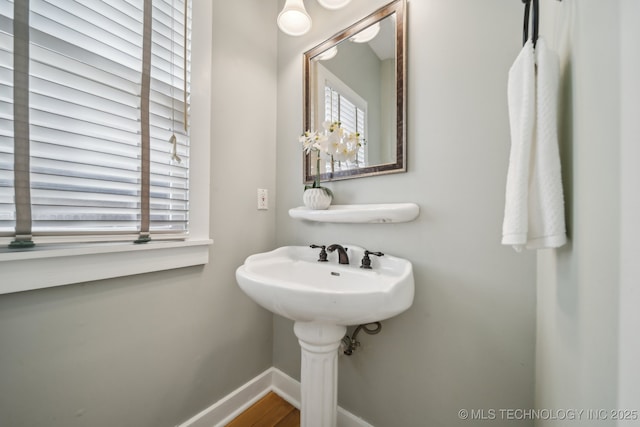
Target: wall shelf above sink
pixel 364 213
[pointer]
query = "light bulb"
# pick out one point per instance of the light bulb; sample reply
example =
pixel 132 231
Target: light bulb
pixel 294 19
pixel 333 4
pixel 327 54
pixel 367 34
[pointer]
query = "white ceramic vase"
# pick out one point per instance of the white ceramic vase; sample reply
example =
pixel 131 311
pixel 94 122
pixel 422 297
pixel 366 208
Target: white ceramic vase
pixel 316 198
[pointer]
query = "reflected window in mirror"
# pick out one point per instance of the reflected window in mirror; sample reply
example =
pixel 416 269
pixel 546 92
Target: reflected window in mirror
pixel 342 104
pixel 357 79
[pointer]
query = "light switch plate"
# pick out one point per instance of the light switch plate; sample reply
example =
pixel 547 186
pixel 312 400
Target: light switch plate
pixel 263 199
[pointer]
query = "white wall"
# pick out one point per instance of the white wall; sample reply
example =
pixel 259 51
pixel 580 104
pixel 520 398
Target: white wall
pixel 628 369
pixel 579 286
pixel 154 350
pixel 468 340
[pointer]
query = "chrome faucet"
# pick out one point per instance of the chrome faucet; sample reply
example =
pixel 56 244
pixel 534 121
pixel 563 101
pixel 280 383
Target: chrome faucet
pixel 343 258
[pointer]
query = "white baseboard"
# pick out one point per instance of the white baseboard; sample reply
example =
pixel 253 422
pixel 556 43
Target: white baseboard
pixel 229 407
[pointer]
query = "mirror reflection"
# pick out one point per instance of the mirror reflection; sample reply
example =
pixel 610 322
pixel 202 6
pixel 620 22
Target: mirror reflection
pixel 356 79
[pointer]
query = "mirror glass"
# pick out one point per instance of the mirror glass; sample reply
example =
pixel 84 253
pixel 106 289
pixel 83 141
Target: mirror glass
pixel 356 78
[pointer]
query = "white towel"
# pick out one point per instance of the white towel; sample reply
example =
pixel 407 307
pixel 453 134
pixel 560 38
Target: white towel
pixel 534 203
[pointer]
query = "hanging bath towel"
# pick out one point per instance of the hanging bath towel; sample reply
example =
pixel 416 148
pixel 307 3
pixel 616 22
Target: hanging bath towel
pixel 534 202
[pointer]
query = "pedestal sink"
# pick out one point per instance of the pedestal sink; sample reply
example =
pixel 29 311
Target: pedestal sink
pixel 323 298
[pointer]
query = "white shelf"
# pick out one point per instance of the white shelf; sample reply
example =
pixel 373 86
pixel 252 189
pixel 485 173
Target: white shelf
pixel 371 213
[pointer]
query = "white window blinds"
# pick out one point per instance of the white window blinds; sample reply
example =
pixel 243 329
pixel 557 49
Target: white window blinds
pixel 85 117
pixel 337 107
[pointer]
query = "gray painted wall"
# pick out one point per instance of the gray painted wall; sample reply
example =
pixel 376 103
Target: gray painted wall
pixel 154 350
pixel 578 285
pixel 587 348
pixel 628 369
pixel 468 340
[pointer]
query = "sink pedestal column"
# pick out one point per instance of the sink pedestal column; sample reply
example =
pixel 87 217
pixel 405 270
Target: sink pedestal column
pixel 319 372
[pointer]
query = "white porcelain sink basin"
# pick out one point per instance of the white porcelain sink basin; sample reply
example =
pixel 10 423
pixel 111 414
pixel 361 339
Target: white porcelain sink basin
pixel 290 281
pixel 323 298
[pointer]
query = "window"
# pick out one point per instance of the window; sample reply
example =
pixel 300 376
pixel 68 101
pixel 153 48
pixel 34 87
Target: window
pixel 338 107
pixel 54 261
pixel 343 104
pixel 85 103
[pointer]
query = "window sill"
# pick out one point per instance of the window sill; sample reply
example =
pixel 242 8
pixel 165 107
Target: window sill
pixel 58 265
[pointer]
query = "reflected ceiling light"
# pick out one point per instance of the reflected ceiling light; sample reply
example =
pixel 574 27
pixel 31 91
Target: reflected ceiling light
pixel 367 34
pixel 328 54
pixel 294 19
pixel 333 4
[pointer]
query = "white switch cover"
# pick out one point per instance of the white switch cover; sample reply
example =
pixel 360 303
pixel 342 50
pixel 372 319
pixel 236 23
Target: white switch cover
pixel 263 199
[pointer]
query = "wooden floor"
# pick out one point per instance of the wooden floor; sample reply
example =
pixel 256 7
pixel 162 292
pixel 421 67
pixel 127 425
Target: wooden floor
pixel 270 411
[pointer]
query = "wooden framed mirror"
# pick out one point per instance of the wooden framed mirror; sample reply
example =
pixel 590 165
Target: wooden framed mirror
pixel 358 78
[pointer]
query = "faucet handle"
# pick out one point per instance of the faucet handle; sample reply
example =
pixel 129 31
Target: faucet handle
pixel 366 261
pixel 323 252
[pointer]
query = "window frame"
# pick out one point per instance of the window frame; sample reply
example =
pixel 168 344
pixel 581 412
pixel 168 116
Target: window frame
pixel 49 265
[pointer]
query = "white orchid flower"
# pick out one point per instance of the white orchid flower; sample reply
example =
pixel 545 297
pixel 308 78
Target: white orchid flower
pixel 354 138
pixel 346 152
pixel 335 143
pixel 310 141
pixel 332 144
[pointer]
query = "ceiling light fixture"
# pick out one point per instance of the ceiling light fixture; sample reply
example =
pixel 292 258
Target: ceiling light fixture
pixel 367 34
pixel 333 4
pixel 294 19
pixel 327 54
